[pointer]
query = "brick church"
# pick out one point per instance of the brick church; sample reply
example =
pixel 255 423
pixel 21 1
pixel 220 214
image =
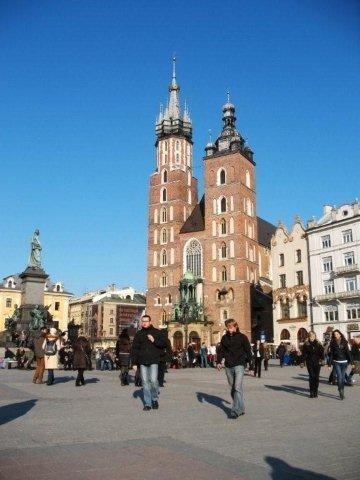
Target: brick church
pixel 208 258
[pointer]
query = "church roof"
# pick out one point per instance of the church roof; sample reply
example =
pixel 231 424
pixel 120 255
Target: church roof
pixel 265 231
pixel 196 221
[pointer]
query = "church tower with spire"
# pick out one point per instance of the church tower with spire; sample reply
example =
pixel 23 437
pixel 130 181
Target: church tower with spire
pixel 172 197
pixel 231 225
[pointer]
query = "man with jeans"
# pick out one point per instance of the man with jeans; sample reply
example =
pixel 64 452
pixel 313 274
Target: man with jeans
pixel 146 351
pixel 236 350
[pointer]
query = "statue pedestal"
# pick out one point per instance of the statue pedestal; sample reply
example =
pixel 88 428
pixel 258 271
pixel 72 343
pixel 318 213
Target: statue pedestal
pixel 32 293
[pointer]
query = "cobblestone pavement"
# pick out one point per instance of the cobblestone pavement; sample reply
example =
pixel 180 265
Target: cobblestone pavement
pixel 100 431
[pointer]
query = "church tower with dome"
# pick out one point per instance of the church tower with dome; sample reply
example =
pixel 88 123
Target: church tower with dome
pixel 204 258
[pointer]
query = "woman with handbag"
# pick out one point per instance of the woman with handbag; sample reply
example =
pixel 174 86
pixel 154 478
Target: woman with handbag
pixel 313 356
pixel 51 347
pixel 82 358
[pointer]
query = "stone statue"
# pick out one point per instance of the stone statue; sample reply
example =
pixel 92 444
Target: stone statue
pixel 37 319
pixel 11 322
pixel 35 254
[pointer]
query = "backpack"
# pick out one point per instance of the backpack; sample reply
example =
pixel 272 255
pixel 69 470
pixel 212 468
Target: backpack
pixel 50 347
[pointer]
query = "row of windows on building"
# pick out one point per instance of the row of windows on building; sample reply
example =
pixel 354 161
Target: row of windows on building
pixel 349 285
pixel 347 237
pixel 298 257
pixel 331 312
pixel 164 195
pixel 174 151
pixel 348 261
pixel 299 279
pixel 222 177
pixel 9 304
pixel 302 335
pixel 219 229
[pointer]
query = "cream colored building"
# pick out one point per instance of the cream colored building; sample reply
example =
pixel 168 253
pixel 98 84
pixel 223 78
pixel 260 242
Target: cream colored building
pixel 104 313
pixel 54 295
pixel 290 284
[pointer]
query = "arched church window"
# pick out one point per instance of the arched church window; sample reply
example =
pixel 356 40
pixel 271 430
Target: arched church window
pixel 223 274
pixel 164 215
pixel 164 195
pixel 222 177
pixel 223 250
pixel 165 176
pixel 193 257
pixel 166 146
pixel 164 235
pixel 223 205
pixel 164 280
pixel 247 179
pixel 163 258
pixel 223 226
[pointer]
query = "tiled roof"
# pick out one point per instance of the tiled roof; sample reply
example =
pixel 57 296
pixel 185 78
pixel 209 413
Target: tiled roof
pixel 196 221
pixel 265 231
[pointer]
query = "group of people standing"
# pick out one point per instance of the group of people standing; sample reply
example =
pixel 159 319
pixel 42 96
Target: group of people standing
pixel 47 345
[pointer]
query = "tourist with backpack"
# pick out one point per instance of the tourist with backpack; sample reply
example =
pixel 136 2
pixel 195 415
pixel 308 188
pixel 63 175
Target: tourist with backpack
pixel 51 347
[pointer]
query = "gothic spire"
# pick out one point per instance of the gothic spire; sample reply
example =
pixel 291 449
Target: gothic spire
pixel 174 89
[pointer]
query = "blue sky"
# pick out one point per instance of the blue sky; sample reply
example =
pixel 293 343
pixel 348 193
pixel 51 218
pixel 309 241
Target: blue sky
pixel 80 86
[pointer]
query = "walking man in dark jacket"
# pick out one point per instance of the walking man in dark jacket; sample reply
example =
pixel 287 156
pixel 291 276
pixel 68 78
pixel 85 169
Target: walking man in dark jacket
pixel 236 350
pixel 146 351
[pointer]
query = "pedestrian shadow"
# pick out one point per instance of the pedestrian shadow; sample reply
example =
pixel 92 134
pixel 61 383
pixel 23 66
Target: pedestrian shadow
pixel 91 380
pixel 214 400
pixel 15 410
pixel 283 471
pixel 302 392
pixel 64 379
pixel 306 378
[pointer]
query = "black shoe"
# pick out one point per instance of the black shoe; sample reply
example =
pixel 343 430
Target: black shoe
pixel 77 383
pixel 155 405
pixel 233 415
pixel 161 384
pixel 147 408
pixel 82 382
pixel 311 395
pixel 342 396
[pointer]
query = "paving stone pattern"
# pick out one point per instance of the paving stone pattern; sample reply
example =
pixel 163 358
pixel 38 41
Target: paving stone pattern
pixel 100 431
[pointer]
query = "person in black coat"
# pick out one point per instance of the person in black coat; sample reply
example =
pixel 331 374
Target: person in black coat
pixel 146 352
pixel 258 351
pixel 166 357
pixel 81 359
pixel 280 352
pixel 235 349
pixel 313 357
pixel 340 358
pixel 122 353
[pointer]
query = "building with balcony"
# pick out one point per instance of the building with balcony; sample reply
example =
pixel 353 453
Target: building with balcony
pixel 290 279
pixel 334 260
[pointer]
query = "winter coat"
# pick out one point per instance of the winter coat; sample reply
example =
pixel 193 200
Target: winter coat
pixel 166 353
pixel 122 350
pixel 82 352
pixel 339 352
pixel 52 361
pixel 280 351
pixel 37 345
pixel 355 352
pixel 312 353
pixel 260 350
pixel 236 350
pixel 145 352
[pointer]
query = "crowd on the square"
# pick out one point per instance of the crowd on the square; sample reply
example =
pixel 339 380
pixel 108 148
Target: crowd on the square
pixel 150 354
